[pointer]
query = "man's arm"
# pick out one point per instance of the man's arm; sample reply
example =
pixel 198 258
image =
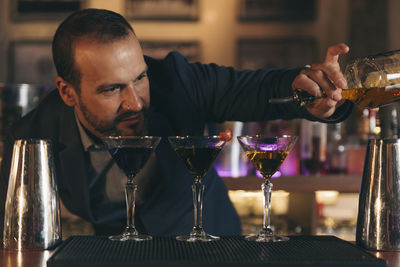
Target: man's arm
pixel 223 93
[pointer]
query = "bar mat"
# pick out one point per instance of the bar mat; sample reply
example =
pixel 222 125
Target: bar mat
pixel 313 251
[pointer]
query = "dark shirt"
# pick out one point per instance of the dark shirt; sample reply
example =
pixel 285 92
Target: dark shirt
pixel 183 99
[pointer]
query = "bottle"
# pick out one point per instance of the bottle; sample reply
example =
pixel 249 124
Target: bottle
pixel 373 81
pixel 336 150
pixel 390 121
pixel 312 147
pixel 394 125
pixel 364 127
pixel 374 124
pixel 372 97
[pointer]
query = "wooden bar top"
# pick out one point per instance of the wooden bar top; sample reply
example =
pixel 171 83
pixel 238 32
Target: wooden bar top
pixel 33 258
pixel 392 258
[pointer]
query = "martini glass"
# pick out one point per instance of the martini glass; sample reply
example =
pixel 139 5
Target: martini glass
pixel 131 154
pixel 267 154
pixel 198 154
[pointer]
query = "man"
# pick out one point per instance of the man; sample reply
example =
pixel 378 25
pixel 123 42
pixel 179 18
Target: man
pixel 107 87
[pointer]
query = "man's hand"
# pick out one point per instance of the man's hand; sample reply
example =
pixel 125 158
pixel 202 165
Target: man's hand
pixel 324 80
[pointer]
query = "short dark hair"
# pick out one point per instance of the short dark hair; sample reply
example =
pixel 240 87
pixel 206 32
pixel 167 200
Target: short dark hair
pixel 99 24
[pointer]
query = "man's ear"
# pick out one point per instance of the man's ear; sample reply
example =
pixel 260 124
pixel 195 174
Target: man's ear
pixel 67 92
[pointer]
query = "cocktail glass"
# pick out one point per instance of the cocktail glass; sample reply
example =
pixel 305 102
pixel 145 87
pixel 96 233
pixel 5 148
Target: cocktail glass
pixel 198 154
pixel 131 154
pixel 267 154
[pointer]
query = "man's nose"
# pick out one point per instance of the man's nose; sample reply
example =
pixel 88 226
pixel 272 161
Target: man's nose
pixel 131 100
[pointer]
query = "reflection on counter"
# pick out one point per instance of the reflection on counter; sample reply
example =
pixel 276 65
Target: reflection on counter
pixel 72 225
pixel 322 213
pixel 249 205
pixel 337 214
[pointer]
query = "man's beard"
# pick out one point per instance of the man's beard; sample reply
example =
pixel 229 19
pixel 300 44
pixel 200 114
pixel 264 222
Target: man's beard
pixel 110 128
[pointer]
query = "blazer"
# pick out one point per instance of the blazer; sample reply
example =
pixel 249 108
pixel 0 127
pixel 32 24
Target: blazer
pixel 184 97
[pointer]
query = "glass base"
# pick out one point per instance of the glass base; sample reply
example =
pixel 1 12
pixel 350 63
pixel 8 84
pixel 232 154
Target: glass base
pixel 197 236
pixel 132 234
pixel 266 238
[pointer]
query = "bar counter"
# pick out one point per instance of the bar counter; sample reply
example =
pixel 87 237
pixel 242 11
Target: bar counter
pixel 39 258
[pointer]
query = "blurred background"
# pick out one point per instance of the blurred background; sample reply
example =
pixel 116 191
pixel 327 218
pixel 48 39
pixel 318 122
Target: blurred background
pixel 318 184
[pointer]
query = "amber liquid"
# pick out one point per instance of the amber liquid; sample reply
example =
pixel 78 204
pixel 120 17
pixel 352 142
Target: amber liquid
pixel 198 160
pixel 267 162
pixel 372 97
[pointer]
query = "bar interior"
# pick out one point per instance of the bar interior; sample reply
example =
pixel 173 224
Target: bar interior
pixel 316 191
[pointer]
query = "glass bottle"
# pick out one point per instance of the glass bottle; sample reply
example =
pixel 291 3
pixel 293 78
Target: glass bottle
pixel 336 150
pixel 373 81
pixel 364 127
pixel 313 138
pixel 394 125
pixel 390 121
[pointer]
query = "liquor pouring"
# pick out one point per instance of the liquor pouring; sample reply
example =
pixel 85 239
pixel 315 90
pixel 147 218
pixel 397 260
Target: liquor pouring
pixel 373 81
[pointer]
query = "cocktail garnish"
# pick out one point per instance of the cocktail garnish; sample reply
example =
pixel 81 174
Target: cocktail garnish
pixel 225 136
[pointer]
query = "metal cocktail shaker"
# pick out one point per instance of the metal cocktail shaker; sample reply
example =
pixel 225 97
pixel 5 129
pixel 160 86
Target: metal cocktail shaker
pixel 17 100
pixel 32 212
pixel 378 224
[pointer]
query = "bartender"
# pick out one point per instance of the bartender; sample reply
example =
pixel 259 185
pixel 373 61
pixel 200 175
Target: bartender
pixel 106 86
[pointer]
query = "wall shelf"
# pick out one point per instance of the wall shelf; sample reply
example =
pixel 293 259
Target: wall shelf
pixel 299 183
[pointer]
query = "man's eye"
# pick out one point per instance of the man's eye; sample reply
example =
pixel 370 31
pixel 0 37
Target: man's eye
pixel 141 76
pixel 112 89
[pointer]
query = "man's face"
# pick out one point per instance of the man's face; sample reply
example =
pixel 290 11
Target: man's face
pixel 114 94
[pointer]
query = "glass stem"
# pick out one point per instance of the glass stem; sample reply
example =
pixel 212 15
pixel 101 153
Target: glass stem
pixel 130 197
pixel 267 189
pixel 198 189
